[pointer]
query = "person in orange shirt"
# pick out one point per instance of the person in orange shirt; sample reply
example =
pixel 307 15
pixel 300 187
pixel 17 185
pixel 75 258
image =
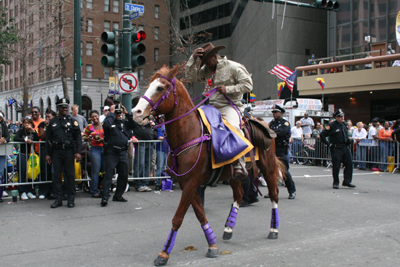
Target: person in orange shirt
pixel 36 118
pixel 386 144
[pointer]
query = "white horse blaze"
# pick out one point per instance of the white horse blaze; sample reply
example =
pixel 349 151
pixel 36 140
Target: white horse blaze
pixel 143 103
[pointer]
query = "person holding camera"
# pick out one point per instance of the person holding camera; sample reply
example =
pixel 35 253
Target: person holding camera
pixel 116 137
pixel 94 134
pixel 63 146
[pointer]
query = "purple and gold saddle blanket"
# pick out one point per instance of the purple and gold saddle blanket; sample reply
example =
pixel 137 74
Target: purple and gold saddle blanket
pixel 228 144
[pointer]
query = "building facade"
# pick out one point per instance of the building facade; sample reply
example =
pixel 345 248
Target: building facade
pixel 46 31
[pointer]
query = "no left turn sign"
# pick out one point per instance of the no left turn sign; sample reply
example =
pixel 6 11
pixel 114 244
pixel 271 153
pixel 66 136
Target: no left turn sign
pixel 128 82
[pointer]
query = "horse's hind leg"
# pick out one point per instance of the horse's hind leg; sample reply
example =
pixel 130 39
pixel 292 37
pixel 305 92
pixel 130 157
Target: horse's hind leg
pixel 231 220
pixel 208 232
pixel 270 169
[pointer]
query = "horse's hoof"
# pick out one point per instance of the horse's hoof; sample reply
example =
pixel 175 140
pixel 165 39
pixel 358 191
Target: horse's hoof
pixel 212 253
pixel 160 261
pixel 227 236
pixel 273 235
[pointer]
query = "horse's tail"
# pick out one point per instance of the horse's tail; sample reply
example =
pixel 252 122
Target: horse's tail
pixel 280 166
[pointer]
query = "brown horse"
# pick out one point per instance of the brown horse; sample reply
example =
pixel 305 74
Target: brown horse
pixel 167 95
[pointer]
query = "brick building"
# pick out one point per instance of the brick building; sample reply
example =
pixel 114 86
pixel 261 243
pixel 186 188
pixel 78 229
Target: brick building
pixel 46 31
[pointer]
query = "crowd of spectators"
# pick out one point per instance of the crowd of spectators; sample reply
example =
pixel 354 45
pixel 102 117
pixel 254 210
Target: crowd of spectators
pixel 32 128
pixel 378 152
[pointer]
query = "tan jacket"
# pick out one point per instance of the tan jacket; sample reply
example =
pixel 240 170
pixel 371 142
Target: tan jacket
pixel 229 73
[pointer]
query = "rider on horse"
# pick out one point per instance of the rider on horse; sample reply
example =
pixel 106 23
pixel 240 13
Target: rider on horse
pixel 231 78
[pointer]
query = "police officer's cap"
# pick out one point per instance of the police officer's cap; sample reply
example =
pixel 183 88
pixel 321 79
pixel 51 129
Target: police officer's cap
pixel 118 109
pixel 63 102
pixel 338 113
pixel 277 108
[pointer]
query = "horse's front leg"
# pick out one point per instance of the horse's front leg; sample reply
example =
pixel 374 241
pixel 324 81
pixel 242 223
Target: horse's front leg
pixel 208 232
pixel 231 220
pixel 188 191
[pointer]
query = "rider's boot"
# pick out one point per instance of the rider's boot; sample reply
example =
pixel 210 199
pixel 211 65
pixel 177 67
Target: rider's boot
pixel 239 169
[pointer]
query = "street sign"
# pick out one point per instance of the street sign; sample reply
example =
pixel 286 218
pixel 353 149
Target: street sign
pixel 134 15
pixel 128 82
pixel 133 7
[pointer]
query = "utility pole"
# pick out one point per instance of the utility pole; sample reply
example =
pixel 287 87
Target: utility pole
pixel 126 59
pixel 77 54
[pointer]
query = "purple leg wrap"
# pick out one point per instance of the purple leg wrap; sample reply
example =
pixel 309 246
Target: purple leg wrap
pixel 211 238
pixel 169 244
pixel 275 219
pixel 231 221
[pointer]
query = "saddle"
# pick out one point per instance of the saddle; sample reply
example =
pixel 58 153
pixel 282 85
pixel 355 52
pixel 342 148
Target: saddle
pixel 260 134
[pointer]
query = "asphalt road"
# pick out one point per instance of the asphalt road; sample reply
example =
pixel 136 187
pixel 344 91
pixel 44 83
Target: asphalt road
pixel 321 227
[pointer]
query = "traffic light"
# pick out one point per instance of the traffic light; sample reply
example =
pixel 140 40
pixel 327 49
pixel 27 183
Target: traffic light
pixel 327 4
pixel 108 49
pixel 138 49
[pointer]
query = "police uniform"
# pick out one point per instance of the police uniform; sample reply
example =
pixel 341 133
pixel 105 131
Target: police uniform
pixel 116 137
pixel 282 129
pixel 63 141
pixel 340 152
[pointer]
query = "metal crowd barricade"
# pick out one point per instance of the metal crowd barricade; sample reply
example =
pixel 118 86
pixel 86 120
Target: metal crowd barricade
pixel 366 153
pixel 138 169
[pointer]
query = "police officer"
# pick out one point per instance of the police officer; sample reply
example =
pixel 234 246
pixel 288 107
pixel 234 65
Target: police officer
pixel 282 129
pixel 116 137
pixel 338 144
pixel 63 146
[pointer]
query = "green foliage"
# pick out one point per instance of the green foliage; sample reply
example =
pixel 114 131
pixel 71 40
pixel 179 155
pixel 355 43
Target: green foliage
pixel 8 37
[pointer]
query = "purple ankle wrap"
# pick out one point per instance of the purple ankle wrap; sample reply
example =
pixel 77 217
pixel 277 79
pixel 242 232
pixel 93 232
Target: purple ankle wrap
pixel 231 221
pixel 275 219
pixel 169 244
pixel 211 238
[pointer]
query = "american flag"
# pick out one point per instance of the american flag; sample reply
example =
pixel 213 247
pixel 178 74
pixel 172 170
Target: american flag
pixel 281 71
pixel 290 80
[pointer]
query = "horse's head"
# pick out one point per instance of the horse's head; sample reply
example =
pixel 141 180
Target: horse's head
pixel 160 96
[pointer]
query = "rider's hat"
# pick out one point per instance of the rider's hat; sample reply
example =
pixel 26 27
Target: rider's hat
pixel 338 113
pixel 209 51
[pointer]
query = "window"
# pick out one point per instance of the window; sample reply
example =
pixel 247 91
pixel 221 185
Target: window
pixel 6 85
pixel 89 47
pixel 89 25
pixel 89 71
pixel 156 33
pixel 16 65
pixel 116 25
pixel 81 48
pixel 115 6
pixel 16 83
pixel 141 74
pixel 156 10
pixel 11 68
pixel 106 5
pixel 106 73
pixel 156 54
pixel 140 28
pixel 89 4
pixel 41 75
pixel 11 85
pixel 107 26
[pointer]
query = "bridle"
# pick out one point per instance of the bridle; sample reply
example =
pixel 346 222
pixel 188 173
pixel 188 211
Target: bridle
pixel 164 96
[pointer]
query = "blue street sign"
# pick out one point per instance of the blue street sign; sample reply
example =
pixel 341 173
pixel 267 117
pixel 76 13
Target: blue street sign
pixel 133 15
pixel 133 7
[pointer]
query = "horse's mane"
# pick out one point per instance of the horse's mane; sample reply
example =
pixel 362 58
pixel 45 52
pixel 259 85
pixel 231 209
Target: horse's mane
pixel 163 71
